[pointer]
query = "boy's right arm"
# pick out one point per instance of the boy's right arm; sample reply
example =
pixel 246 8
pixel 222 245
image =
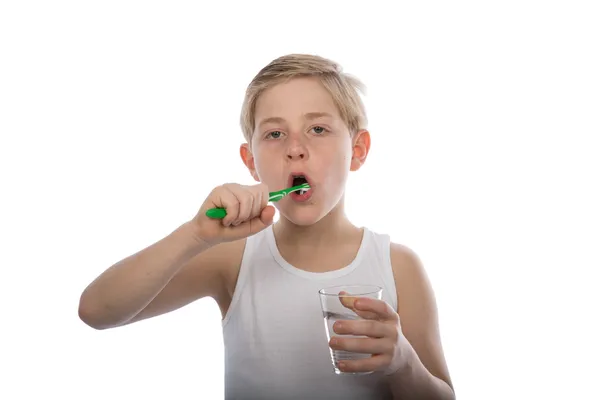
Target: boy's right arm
pixel 188 264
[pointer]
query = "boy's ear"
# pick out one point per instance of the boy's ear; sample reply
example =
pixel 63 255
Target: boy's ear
pixel 248 160
pixel 360 149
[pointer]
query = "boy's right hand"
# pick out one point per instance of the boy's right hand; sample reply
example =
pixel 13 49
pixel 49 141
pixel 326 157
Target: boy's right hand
pixel 247 213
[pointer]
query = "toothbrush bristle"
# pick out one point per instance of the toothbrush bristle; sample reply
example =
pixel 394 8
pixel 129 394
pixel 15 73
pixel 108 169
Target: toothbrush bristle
pixel 303 189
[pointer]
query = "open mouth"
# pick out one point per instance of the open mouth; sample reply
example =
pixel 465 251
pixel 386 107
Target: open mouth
pixel 299 179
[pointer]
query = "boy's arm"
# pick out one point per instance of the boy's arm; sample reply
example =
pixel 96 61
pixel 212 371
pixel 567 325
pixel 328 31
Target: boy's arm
pixel 184 266
pixel 166 275
pixel 425 375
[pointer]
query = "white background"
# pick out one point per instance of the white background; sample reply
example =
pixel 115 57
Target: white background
pixel 118 117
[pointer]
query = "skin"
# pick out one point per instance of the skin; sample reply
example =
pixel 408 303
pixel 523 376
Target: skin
pixel 202 257
pixel 290 136
pixel 298 128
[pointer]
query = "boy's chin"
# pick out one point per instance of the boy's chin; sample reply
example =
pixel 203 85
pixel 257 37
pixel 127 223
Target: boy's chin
pixel 301 217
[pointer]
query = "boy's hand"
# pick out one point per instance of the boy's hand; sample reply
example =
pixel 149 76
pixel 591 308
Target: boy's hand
pixel 247 213
pixel 381 324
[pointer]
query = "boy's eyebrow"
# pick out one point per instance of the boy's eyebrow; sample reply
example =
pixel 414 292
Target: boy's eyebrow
pixel 276 120
pixel 308 116
pixel 315 115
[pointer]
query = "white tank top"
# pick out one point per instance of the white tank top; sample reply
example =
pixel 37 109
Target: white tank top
pixel 274 336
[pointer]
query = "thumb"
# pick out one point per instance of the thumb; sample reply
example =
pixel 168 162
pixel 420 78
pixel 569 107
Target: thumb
pixel 348 302
pixel 267 215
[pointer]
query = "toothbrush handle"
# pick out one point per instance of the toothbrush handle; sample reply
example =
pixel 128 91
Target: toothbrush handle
pixel 216 213
pixel 220 213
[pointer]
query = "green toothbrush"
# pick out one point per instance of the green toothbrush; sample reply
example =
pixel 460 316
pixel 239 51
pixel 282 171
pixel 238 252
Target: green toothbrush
pixel 219 213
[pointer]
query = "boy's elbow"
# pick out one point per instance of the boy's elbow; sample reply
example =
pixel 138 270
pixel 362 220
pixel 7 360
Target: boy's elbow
pixel 90 316
pixel 86 315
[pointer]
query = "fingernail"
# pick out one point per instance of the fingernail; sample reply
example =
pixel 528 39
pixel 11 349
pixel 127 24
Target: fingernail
pixel 342 365
pixel 337 325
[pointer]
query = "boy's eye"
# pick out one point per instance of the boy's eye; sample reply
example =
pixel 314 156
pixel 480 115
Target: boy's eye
pixel 274 134
pixel 318 129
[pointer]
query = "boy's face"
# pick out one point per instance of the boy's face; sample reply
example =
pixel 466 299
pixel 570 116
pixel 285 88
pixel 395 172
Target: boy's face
pixel 299 133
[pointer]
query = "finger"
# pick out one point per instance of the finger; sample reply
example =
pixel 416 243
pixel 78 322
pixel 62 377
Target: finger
pixel 348 301
pixel 263 191
pixel 257 224
pixel 369 364
pixel 361 345
pixel 365 327
pixel 246 200
pixel 230 202
pixel 257 203
pixel 376 309
pixel 267 215
pixel 366 314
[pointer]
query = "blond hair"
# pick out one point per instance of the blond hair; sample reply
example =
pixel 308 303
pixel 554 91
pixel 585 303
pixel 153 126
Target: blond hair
pixel 343 88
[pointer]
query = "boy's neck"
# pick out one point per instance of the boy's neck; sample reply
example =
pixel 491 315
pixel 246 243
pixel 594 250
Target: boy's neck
pixel 333 228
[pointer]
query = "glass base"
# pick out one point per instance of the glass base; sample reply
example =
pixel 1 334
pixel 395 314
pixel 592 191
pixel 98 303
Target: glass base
pixel 338 372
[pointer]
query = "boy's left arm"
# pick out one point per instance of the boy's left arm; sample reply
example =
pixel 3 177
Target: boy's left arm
pixel 406 342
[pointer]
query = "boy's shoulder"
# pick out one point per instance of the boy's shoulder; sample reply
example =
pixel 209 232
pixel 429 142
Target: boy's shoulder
pixel 404 259
pixel 417 306
pixel 409 271
pixel 407 268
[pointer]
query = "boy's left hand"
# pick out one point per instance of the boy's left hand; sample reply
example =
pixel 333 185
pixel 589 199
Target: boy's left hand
pixel 381 324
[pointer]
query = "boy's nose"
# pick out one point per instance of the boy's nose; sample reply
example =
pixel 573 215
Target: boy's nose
pixel 296 154
pixel 296 151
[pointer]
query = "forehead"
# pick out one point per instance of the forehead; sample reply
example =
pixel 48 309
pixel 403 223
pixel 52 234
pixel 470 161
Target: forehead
pixel 289 100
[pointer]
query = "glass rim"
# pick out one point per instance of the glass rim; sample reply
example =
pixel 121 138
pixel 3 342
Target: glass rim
pixel 368 290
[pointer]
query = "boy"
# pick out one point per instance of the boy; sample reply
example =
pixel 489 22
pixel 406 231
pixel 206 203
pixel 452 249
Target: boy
pixel 303 121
